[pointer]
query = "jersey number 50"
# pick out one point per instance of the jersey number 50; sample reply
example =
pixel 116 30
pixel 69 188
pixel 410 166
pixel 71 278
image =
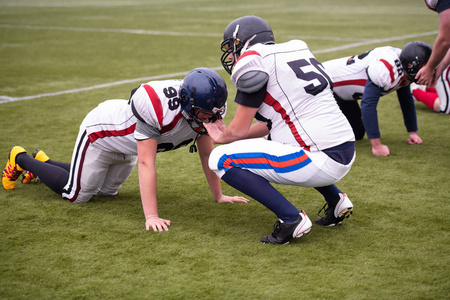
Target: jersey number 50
pixel 321 76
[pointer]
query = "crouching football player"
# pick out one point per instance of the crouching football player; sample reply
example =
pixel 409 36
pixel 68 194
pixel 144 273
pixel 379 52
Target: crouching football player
pixel 160 116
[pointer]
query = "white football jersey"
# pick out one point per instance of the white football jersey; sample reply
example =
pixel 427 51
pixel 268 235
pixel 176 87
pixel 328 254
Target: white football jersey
pixel 158 104
pixel 298 103
pixel 443 91
pixel 382 65
pixel 110 127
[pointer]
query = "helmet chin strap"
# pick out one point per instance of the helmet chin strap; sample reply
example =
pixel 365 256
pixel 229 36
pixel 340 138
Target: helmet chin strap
pixel 193 147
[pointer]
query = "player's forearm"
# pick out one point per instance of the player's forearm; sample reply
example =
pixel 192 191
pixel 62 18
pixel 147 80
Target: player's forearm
pixel 205 146
pixel 147 185
pixel 229 136
pixel 439 50
pixel 258 130
pixel 369 112
pixel 408 108
pixel 370 121
pixel 239 127
pixel 442 43
pixel 149 206
pixel 444 64
pixel 214 184
pixel 213 180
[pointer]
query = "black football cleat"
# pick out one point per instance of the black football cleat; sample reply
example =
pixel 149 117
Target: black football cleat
pixel 284 232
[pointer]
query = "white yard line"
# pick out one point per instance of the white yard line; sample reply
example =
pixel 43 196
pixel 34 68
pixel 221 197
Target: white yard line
pixel 162 33
pixel 118 30
pixel 376 41
pixel 71 4
pixel 6 99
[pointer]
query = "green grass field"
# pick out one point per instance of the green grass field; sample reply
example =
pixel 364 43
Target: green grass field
pixel 54 55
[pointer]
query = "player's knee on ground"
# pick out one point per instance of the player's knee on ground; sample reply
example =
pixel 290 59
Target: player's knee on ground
pixel 109 188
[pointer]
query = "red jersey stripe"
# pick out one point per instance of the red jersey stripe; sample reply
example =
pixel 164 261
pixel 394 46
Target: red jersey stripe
pixel 156 102
pixel 269 100
pixel 361 82
pixel 172 124
pixel 248 53
pixel 101 134
pixel 389 67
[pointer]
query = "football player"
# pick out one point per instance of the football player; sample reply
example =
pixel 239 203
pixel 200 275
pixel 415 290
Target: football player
pixel 436 98
pixel 369 76
pixel 429 74
pixel 160 116
pixel 309 141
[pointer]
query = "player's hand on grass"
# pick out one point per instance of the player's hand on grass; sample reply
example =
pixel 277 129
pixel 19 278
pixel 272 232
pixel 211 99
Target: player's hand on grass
pixel 380 150
pixel 229 199
pixel 414 138
pixel 156 223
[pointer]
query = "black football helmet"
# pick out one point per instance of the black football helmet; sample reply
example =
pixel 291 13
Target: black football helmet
pixel 413 56
pixel 242 33
pixel 203 91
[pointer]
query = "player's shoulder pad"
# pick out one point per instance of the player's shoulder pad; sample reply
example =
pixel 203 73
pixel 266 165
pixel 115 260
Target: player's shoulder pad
pixel 298 43
pixel 252 81
pixel 249 74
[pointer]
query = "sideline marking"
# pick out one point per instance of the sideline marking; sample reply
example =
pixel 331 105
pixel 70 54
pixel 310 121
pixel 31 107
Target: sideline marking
pixel 6 99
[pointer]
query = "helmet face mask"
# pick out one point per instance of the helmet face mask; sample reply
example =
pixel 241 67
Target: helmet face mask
pixel 203 96
pixel 205 116
pixel 412 68
pixel 230 53
pixel 241 34
pixel 196 117
pixel 414 56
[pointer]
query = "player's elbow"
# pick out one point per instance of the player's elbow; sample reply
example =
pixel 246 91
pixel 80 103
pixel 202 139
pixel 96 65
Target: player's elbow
pixel 145 163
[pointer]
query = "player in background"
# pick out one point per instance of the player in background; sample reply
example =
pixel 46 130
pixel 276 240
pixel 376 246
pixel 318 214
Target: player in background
pixel 436 98
pixel 373 74
pixel 429 74
pixel 160 116
pixel 310 142
pixel 436 73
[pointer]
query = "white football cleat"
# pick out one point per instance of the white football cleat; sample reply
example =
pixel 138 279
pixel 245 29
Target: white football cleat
pixel 335 215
